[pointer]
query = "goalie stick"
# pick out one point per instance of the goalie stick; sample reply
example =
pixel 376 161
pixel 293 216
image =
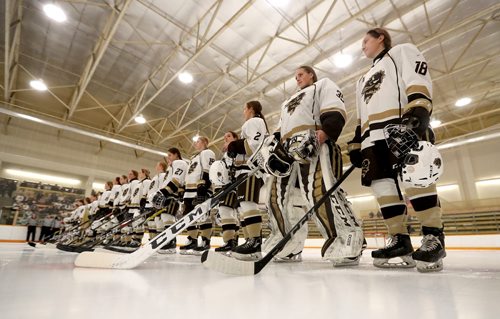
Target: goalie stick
pixel 129 261
pixel 229 265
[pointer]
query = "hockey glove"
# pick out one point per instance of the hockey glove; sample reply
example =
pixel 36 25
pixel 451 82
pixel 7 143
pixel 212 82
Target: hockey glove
pixel 142 203
pixel 354 149
pixel 202 194
pixel 417 119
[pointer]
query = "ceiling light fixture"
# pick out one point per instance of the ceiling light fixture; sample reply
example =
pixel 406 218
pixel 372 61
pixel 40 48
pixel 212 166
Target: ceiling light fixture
pixel 463 101
pixel 54 12
pixel 186 77
pixel 342 60
pixel 140 119
pixel 435 123
pixel 196 137
pixel 38 85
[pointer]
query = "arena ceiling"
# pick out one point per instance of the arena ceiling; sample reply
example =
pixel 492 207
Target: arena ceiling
pixel 113 60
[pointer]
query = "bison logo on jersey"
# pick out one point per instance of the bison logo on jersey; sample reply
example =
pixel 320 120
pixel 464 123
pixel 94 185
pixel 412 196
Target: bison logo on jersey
pixel 192 167
pixel 293 103
pixel 372 85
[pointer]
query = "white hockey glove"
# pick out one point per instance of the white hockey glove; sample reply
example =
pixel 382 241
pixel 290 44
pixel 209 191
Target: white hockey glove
pixel 303 146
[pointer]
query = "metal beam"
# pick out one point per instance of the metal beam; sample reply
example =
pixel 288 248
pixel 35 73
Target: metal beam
pixel 199 50
pixel 239 90
pixel 13 18
pixel 100 47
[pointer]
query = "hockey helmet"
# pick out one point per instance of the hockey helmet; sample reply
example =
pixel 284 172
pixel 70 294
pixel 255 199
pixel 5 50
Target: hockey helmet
pixel 302 146
pixel 422 166
pixel 219 173
pixel 272 158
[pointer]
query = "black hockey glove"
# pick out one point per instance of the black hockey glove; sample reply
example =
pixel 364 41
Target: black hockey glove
pixel 142 203
pixel 202 194
pixel 354 149
pixel 417 119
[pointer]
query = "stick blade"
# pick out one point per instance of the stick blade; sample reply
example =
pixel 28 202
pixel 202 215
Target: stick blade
pixel 98 259
pixel 227 265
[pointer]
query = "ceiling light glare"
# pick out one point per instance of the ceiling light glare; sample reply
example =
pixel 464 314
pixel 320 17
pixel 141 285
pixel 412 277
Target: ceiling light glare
pixel 140 119
pixel 463 101
pixel 279 3
pixel 195 138
pixel 38 85
pixel 42 177
pixel 54 12
pixel 435 123
pixel 185 77
pixel 342 60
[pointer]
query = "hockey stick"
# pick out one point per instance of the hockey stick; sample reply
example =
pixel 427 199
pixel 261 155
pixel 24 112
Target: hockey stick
pixel 229 265
pixel 99 239
pixel 60 233
pixel 129 261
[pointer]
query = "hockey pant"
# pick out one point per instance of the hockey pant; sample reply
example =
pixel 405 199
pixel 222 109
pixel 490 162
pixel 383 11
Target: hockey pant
pixel 425 202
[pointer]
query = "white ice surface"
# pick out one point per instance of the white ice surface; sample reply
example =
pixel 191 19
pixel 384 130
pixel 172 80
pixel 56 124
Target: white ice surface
pixel 43 283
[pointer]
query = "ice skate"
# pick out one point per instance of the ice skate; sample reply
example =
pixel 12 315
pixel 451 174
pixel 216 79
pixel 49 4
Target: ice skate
pixel 188 248
pixel 290 258
pixel 170 248
pixel 250 250
pixel 227 247
pixel 205 245
pixel 396 254
pixel 429 257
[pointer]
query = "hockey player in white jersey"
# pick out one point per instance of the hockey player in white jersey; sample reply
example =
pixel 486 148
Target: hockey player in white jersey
pixel 253 132
pixel 310 123
pixel 397 89
pixel 197 190
pixel 171 192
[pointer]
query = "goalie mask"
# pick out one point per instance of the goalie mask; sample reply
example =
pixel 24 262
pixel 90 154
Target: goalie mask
pixel 422 166
pixel 272 158
pixel 302 146
pixel 219 173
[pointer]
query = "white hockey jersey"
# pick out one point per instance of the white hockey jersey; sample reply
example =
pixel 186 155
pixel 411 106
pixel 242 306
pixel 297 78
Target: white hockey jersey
pixel 302 110
pixel 135 193
pixel 200 163
pixel 384 92
pixel 176 175
pixel 115 194
pixel 105 198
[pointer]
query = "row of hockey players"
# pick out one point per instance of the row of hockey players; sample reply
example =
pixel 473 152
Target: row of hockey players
pixel 302 153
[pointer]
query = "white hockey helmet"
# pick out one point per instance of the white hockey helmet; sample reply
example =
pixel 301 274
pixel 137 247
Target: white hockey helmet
pixel 422 166
pixel 271 157
pixel 219 173
pixel 302 146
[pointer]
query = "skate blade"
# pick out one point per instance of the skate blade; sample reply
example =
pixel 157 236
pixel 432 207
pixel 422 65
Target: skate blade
pixel 167 251
pixel 405 262
pixel 346 262
pixel 247 257
pixel 287 260
pixel 189 252
pixel 423 266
